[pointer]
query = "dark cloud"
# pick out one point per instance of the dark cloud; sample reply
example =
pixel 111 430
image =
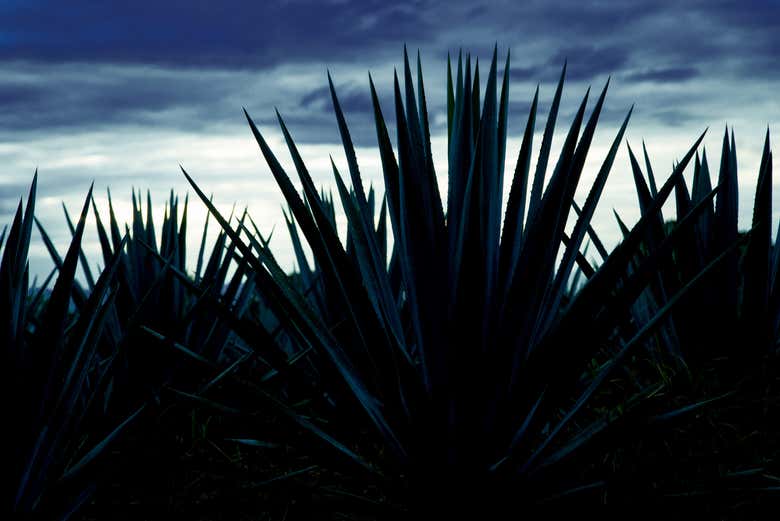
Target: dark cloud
pixel 755 15
pixel 15 96
pixel 85 97
pixel 181 68
pixel 352 98
pixel 585 62
pixel 674 117
pixel 594 19
pixel 317 97
pixel 664 75
pixel 235 33
pixel 157 63
pixel 478 10
pixel 258 34
pixel 523 73
pixel 321 127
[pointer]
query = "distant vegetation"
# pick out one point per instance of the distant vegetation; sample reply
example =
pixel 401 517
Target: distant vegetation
pixel 477 365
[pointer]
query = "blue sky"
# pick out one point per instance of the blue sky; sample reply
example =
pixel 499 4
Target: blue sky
pixel 122 92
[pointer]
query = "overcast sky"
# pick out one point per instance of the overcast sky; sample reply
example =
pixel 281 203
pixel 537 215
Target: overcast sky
pixel 122 92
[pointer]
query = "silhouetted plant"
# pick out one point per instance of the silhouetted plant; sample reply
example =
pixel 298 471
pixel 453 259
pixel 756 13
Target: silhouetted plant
pixel 469 361
pixel 54 382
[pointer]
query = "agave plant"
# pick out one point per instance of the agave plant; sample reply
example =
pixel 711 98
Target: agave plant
pixel 159 296
pixel 740 302
pixel 55 380
pixel 161 309
pixel 468 356
pixel 726 331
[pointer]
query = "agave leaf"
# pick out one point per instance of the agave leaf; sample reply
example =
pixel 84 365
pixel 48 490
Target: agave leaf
pixel 512 235
pixel 300 256
pixel 681 411
pixel 450 99
pixel 492 182
pixel 503 115
pixel 689 255
pixel 349 149
pixel 726 216
pixel 756 263
pixel 225 372
pixel 199 264
pixel 96 450
pixel 10 266
pixel 55 256
pixel 621 224
pixel 105 244
pixel 460 155
pixel 116 236
pixel 13 278
pixel 249 442
pixel 23 243
pixel 583 264
pixel 381 232
pixel 426 136
pixel 412 114
pixel 702 186
pixel 715 234
pixel 594 238
pixel 682 198
pixel 544 152
pixel 519 435
pixel 211 404
pixel 182 245
pixel 2 236
pixel 642 191
pixel 82 257
pixel 150 234
pixel 389 164
pixel 650 175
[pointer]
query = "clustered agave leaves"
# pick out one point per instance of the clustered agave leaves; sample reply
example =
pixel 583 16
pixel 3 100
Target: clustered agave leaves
pixel 479 362
pixel 724 332
pixel 469 376
pixel 89 360
pixel 740 300
pixel 55 377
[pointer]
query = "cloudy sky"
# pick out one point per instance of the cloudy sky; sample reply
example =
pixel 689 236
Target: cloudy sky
pixel 122 92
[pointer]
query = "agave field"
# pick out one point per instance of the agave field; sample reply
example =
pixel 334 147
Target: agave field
pixel 458 355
